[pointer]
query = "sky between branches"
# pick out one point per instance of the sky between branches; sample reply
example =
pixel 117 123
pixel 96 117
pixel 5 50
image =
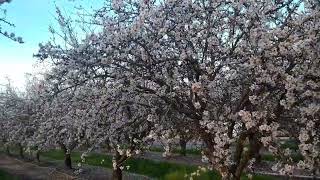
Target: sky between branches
pixel 32 19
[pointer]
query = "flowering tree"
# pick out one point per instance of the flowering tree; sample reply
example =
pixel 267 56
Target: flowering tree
pixel 106 111
pixel 3 117
pixel 242 74
pixel 287 84
pixel 16 122
pixel 3 20
pixel 59 126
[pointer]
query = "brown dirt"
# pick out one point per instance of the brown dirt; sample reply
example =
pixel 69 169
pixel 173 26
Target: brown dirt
pixel 54 170
pixel 28 171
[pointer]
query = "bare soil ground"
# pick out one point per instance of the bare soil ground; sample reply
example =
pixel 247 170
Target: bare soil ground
pixel 29 171
pixel 54 170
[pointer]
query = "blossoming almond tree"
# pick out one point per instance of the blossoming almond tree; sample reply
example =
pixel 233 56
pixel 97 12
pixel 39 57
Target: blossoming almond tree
pixel 107 110
pixel 4 21
pixel 101 113
pixel 234 69
pixel 16 122
pixel 61 124
pixel 287 83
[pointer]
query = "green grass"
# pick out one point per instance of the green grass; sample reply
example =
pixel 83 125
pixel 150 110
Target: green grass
pixel 296 157
pixel 161 169
pixel 291 144
pixel 139 166
pixel 261 177
pixel 180 175
pixel 6 176
pixel 177 151
pixel 268 157
pixel 158 170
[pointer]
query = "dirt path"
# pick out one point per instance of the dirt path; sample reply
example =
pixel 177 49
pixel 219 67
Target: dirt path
pixel 92 172
pixel 54 170
pixel 28 171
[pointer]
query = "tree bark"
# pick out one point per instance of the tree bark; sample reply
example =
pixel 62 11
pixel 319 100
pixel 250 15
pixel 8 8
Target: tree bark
pixel 258 158
pixel 21 151
pixel 183 147
pixel 254 148
pixel 238 154
pixel 67 160
pixel 38 155
pixel 117 174
pixel 8 151
pixel 67 156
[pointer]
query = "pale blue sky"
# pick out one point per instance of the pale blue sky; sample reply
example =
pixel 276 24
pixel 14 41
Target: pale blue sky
pixel 32 19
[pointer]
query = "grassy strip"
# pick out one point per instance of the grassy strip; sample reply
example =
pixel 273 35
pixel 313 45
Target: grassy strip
pixel 296 157
pixel 177 151
pixel 6 176
pixel 158 170
pixel 290 144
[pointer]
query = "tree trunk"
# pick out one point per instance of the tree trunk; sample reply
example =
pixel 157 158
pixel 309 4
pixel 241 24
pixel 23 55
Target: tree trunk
pixel 241 158
pixel 254 148
pixel 67 160
pixel 38 155
pixel 21 151
pixel 8 151
pixel 258 158
pixel 67 156
pixel 183 146
pixel 117 174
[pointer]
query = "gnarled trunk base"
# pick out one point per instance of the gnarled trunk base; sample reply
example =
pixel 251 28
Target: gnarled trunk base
pixel 183 147
pixel 38 155
pixel 117 174
pixel 8 151
pixel 21 151
pixel 67 156
pixel 67 160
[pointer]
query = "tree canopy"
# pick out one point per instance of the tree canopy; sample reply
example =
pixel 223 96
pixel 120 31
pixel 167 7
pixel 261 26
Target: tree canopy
pixel 238 75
